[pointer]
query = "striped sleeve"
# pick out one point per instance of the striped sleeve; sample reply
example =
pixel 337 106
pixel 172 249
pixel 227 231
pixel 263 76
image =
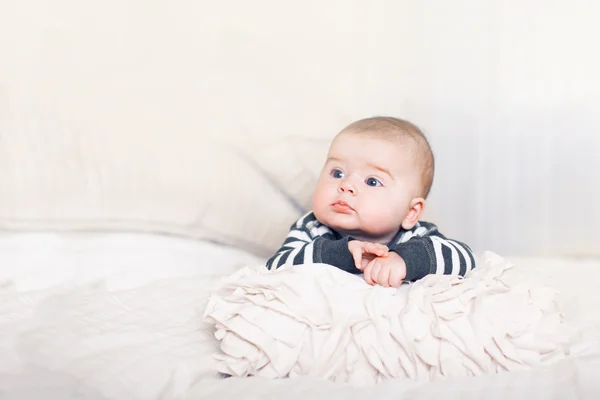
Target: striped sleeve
pixel 305 246
pixel 430 252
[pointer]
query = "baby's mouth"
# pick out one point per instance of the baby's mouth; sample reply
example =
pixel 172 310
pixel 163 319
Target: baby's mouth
pixel 342 207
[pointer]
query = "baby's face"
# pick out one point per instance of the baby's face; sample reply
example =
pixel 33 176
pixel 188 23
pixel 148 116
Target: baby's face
pixel 366 186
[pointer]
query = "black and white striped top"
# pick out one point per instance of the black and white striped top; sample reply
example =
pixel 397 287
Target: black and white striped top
pixel 424 249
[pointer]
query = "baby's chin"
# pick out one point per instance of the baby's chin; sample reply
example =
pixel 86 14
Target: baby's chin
pixel 343 229
pixel 350 225
pixel 338 221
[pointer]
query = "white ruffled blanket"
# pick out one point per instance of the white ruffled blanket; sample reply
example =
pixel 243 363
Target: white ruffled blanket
pixel 319 321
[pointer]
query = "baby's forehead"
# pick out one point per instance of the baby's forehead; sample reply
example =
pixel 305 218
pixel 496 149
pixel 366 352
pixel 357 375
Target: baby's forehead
pixel 397 154
pixel 347 142
pixel 390 135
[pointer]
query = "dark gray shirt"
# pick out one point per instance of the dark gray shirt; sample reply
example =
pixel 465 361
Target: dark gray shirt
pixel 424 249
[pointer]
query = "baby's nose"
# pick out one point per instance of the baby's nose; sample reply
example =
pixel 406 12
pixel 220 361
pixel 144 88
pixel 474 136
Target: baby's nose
pixel 347 187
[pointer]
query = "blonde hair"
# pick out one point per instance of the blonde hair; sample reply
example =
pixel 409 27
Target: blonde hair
pixel 395 127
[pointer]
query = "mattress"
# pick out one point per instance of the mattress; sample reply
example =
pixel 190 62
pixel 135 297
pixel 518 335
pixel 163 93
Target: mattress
pixel 119 316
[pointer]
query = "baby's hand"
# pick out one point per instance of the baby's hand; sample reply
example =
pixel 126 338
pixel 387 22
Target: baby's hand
pixel 364 252
pixel 388 271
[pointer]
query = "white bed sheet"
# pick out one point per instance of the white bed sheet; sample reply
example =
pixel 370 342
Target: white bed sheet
pixel 118 316
pixel 34 261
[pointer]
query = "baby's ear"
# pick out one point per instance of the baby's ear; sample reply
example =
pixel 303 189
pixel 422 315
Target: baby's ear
pixel 415 210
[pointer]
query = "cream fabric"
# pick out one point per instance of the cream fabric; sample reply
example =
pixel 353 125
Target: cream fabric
pixel 319 321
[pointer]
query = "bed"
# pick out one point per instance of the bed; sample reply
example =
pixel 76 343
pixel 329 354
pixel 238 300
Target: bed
pixel 129 326
pixel 108 257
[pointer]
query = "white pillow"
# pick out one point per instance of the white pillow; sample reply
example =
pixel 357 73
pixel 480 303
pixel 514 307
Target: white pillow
pixel 293 165
pixel 174 182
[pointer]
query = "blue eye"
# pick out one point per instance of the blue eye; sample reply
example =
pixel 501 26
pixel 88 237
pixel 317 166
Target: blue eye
pixel 336 173
pixel 373 182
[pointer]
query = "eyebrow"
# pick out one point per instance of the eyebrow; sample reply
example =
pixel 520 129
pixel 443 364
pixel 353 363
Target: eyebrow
pixel 382 169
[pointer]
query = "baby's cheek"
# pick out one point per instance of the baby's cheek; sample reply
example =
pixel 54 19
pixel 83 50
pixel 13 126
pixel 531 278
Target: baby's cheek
pixel 384 217
pixel 380 210
pixel 317 199
pixel 320 201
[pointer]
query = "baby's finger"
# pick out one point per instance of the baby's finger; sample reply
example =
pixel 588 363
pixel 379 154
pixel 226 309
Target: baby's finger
pixel 375 270
pixel 384 249
pixel 377 249
pixel 365 262
pixel 395 277
pixel 367 273
pixel 357 256
pixel 384 276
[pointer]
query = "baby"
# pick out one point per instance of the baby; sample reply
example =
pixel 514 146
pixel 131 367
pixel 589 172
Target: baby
pixel 366 209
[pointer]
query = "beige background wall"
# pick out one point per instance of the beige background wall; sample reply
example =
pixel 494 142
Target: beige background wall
pixel 508 92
